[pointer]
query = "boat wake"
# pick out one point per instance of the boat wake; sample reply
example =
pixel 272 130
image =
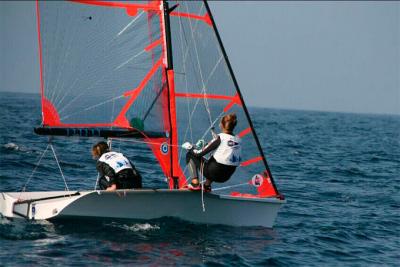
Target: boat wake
pixel 11 146
pixel 14 147
pixel 137 227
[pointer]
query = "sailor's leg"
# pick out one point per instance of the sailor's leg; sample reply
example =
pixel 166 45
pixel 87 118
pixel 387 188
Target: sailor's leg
pixel 128 179
pixel 193 163
pixel 103 183
pixel 137 182
pixel 208 172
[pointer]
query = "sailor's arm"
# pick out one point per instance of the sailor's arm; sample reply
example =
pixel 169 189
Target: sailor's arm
pixel 105 170
pixel 208 148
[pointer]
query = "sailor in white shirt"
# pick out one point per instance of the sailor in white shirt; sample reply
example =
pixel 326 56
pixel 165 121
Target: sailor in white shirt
pixel 222 164
pixel 116 171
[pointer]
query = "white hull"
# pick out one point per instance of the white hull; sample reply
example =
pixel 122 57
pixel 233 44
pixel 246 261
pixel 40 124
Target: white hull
pixel 142 204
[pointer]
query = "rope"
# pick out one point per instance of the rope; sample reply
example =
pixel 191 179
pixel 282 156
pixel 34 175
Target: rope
pixel 202 185
pixel 200 71
pixel 59 167
pixel 97 181
pixel 143 142
pixel 211 128
pixel 229 186
pixel 109 143
pixel 34 170
pixel 204 85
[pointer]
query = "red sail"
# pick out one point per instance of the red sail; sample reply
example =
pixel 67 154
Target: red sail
pixel 103 65
pixel 205 91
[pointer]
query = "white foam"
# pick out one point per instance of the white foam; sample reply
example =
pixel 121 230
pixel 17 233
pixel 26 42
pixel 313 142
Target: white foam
pixel 11 146
pixel 137 227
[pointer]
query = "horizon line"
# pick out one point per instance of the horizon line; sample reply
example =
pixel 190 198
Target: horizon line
pixel 275 108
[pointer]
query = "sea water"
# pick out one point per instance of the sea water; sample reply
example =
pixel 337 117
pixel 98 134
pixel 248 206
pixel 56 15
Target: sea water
pixel 340 174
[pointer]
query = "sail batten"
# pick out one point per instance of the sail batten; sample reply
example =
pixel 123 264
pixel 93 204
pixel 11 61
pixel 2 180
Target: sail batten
pixel 97 132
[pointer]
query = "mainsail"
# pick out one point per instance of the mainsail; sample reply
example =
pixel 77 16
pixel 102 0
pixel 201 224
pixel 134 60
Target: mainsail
pixel 155 70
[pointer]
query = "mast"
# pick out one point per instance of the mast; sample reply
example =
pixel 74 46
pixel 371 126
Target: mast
pixel 240 96
pixel 169 74
pixel 170 63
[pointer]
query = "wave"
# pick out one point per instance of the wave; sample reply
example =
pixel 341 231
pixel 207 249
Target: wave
pixel 11 146
pixel 19 148
pixel 137 227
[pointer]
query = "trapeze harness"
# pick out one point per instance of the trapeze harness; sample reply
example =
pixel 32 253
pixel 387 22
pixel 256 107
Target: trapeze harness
pixel 115 168
pixel 222 164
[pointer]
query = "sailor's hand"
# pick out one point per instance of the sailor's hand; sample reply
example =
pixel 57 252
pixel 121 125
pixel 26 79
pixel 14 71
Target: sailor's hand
pixel 187 146
pixel 113 187
pixel 200 144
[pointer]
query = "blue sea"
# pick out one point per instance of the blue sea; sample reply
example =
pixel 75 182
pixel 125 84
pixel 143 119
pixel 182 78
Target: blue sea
pixel 340 174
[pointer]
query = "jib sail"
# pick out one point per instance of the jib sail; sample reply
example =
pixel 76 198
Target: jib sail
pixel 206 90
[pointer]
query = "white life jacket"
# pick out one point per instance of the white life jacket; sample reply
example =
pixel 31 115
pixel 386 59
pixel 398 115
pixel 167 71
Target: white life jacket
pixel 228 152
pixel 116 161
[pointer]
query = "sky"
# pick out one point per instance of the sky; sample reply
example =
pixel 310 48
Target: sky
pixel 329 56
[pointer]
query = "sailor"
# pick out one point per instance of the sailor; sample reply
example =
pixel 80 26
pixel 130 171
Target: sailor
pixel 222 164
pixel 115 170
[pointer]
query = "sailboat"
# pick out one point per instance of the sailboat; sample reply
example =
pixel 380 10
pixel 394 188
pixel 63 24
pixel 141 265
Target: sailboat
pixel 156 72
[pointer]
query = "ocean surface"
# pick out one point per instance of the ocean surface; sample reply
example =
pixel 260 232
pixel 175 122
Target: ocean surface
pixel 340 174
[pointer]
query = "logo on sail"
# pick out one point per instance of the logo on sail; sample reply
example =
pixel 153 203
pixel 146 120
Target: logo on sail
pixel 257 180
pixel 164 148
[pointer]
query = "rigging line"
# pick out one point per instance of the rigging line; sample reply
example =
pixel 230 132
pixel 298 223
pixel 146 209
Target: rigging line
pixel 130 23
pixel 108 73
pixel 34 170
pixel 189 128
pixel 130 59
pixel 59 99
pixel 113 108
pixel 208 78
pixel 213 69
pixel 185 56
pixel 205 133
pixel 203 89
pixel 109 143
pixel 201 72
pixel 202 185
pixel 193 65
pixel 141 142
pixel 191 115
pixel 229 186
pixel 66 55
pixel 206 83
pixel 55 40
pixel 97 182
pixel 66 91
pixel 180 157
pixel 190 119
pixel 195 29
pixel 212 124
pixel 93 85
pixel 92 107
pixel 59 167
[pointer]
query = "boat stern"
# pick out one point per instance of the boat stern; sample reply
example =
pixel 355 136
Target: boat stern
pixel 6 205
